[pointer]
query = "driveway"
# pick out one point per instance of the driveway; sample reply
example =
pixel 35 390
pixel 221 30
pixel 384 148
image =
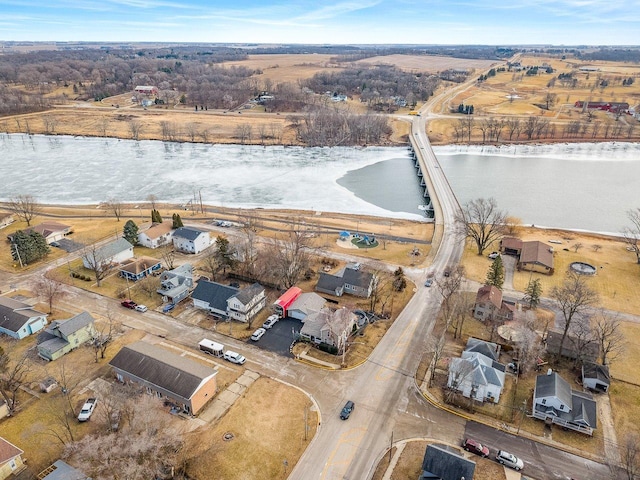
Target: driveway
pixel 509 263
pixel 279 338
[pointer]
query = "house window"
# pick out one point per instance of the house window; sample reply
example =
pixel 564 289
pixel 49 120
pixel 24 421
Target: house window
pixel 158 394
pixel 561 407
pixel 544 401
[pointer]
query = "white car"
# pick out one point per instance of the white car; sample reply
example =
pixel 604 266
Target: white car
pixel 494 255
pixel 87 409
pixel 234 357
pixel 258 334
pixel 270 322
pixel 506 458
pixel 141 308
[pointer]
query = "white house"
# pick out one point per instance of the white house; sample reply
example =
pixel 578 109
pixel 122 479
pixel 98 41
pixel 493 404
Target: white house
pixel 111 253
pixel 51 231
pixel 306 304
pixel 190 240
pixel 229 302
pixel 329 327
pixel 5 219
pixel 596 377
pixel 477 376
pixel 158 235
pixel 245 304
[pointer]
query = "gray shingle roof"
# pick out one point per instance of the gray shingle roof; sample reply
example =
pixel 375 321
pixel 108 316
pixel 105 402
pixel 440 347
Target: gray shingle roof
pixel 308 302
pixel 188 233
pixel 357 277
pixel 245 295
pixel 329 283
pixel 68 327
pixel 446 463
pixel 553 386
pixel 215 294
pixel 487 349
pixel 64 471
pixel 162 368
pixel 110 250
pixel 597 371
pixel 14 314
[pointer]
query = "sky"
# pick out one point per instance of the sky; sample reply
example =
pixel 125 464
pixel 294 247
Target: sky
pixel 489 22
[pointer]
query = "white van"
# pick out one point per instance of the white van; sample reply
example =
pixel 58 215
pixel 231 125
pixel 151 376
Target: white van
pixel 211 347
pixel 234 357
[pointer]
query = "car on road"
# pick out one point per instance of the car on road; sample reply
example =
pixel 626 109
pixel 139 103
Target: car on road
pixel 447 272
pixel 509 460
pixel 428 282
pixel 346 410
pixel 493 255
pixel 234 357
pixel 476 447
pixel 87 409
pixel 141 308
pixel 168 307
pixel 258 334
pixel 128 304
pixel 270 322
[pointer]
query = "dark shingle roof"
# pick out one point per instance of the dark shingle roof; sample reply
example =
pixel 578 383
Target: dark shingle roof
pixel 215 294
pixel 247 294
pixel 68 327
pixel 357 277
pixel 597 371
pixel 188 233
pixel 329 283
pixel 14 314
pixel 162 368
pixel 553 385
pixel 487 349
pixel 442 461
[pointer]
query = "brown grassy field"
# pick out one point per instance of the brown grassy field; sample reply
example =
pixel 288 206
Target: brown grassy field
pixel 428 63
pixel 282 68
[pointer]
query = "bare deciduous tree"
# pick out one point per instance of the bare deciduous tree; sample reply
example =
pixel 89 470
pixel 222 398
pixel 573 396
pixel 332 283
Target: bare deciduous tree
pixel 482 221
pixel 26 207
pixel 631 234
pixel 149 285
pixel 115 206
pixel 611 339
pixel 448 287
pixel 168 255
pixel 103 335
pixel 14 372
pixel 134 128
pixel 436 348
pixel 48 288
pixel 630 453
pixel 289 255
pixel 95 261
pixel 573 297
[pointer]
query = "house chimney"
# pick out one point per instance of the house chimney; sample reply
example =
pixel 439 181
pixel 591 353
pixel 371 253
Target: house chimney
pixel 549 371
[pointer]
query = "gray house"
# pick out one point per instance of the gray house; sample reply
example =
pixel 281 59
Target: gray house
pixel 229 302
pixel 61 337
pixel 18 319
pixel 112 253
pixel 555 402
pixel 442 462
pixel 348 280
pixel 176 284
pixel 305 305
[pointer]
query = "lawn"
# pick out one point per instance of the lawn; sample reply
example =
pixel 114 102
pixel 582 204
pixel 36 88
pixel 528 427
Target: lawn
pixel 264 435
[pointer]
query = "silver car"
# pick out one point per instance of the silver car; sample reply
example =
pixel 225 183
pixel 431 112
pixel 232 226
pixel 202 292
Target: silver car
pixel 506 458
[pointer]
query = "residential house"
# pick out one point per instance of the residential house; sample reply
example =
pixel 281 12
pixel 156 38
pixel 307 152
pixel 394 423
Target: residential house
pixel 62 471
pixel 348 280
pixel 62 336
pixel 532 256
pixel 229 302
pixel 596 377
pixel 167 375
pixel 443 462
pixel 488 349
pixel 306 304
pixel 246 304
pixel 190 240
pixel 330 327
pixel 477 376
pixel 157 235
pixel 176 284
pixel 51 231
pixel 5 219
pixel 19 319
pixel 491 306
pixel 556 403
pixel 146 89
pixel 283 303
pixel 575 346
pixel 11 461
pixel 138 268
pixel 110 254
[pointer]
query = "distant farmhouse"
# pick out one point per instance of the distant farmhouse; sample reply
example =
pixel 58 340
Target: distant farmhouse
pixel 146 89
pixel 613 107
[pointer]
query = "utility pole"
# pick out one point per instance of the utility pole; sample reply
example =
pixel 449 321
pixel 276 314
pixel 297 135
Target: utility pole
pixel 391 447
pixel 15 245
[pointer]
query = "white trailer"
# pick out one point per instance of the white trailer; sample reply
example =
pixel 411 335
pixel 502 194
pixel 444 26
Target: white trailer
pixel 211 347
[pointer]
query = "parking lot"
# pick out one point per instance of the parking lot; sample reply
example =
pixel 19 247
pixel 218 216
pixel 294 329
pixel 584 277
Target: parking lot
pixel 69 245
pixel 278 338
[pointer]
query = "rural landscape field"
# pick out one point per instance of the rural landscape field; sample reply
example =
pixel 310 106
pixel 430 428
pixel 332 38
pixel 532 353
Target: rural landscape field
pixel 314 308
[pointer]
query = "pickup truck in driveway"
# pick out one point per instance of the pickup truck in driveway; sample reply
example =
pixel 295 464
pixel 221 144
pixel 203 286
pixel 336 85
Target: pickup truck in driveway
pixel 87 409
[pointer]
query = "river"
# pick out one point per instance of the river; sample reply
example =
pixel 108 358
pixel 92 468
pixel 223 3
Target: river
pixel 576 186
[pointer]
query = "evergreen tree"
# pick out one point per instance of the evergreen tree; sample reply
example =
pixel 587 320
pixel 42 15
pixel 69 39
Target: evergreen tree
pixel 225 254
pixel 130 232
pixel 155 216
pixel 28 247
pixel 495 275
pixel 177 221
pixel 533 292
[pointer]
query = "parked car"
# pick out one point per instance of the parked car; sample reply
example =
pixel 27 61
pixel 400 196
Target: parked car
pixel 494 255
pixel 129 304
pixel 141 308
pixel 428 282
pixel 55 244
pixel 346 410
pixel 168 307
pixel 509 460
pixel 234 357
pixel 447 272
pixel 473 446
pixel 87 409
pixel 258 334
pixel 270 322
